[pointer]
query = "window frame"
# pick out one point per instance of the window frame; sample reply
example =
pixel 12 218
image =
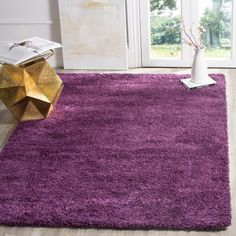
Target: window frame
pixel 189 14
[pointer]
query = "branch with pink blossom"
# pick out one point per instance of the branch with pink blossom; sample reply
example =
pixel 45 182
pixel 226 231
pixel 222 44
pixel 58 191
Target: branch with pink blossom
pixel 190 39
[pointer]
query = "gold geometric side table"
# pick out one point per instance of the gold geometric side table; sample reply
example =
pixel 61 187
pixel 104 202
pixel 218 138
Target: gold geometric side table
pixel 30 91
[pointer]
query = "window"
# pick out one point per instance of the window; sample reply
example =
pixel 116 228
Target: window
pixel 161 33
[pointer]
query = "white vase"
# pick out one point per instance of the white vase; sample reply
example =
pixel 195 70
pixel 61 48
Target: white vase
pixel 199 74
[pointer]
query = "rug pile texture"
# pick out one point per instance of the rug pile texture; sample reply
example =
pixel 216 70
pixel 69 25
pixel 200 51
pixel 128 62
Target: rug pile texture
pixel 126 151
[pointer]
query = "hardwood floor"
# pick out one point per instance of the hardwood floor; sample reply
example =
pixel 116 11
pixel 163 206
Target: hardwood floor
pixel 8 123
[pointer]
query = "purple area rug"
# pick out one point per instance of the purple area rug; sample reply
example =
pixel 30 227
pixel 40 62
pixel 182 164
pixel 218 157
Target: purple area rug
pixel 121 151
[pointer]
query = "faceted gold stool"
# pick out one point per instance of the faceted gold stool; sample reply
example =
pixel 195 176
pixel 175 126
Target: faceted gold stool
pixel 30 91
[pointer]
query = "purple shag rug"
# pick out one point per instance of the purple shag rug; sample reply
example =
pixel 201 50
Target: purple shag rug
pixel 121 151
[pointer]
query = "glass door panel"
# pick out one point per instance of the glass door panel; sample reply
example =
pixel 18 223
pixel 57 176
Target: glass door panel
pixel 216 18
pixel 165 31
pixel 161 35
pixel 161 32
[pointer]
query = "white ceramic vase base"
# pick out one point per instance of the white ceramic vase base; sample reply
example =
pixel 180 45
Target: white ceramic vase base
pixel 199 75
pixel 208 81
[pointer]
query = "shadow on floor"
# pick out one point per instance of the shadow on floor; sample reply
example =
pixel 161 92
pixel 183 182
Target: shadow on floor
pixel 6 117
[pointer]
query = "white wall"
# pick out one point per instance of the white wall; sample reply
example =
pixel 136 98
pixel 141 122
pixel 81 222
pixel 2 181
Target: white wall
pixel 26 18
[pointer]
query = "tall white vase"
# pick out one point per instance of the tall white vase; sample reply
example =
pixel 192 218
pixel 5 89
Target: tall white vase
pixel 199 73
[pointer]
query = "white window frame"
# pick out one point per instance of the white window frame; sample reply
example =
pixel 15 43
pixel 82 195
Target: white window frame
pixel 220 62
pixel 145 39
pixel 139 37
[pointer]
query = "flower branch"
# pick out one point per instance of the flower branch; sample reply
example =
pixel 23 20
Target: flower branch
pixel 190 39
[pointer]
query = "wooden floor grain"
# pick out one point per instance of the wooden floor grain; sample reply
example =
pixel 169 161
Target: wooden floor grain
pixel 8 124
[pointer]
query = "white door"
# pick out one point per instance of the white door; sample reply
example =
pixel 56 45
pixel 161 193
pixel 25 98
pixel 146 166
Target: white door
pixel 161 34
